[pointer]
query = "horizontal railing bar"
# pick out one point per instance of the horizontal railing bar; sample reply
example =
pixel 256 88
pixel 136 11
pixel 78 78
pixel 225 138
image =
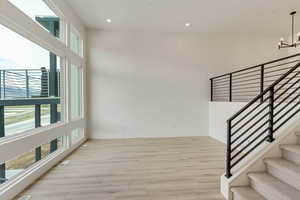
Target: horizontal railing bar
pixel 256 66
pixel 264 92
pixel 282 64
pixel 221 80
pixel 249 135
pixel 221 88
pixel 18 69
pixel 287 105
pixel 244 73
pixel 285 98
pixel 287 89
pixel 276 75
pixel 253 117
pixel 277 70
pixel 241 100
pixel 221 85
pixel 247 153
pixel 245 91
pixel 258 136
pixel 287 119
pixel 31 101
pixel 247 75
pixel 254 83
pixel 240 81
pixel 242 95
pixel 289 110
pixel 243 88
pixel 224 96
pixel 283 84
pixel 225 77
pixel 259 104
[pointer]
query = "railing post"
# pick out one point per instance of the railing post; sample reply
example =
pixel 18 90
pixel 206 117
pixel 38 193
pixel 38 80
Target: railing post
pixel 2 134
pixel 0 84
pixel 37 120
pixel 27 83
pixel 262 71
pixel 271 115
pixel 211 90
pixel 230 87
pixel 228 152
pixel 4 92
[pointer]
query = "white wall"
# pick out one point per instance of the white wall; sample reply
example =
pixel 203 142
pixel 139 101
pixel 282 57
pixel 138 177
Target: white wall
pixel 157 84
pixel 219 113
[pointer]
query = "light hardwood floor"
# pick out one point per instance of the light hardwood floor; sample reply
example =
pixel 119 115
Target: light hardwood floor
pixel 137 169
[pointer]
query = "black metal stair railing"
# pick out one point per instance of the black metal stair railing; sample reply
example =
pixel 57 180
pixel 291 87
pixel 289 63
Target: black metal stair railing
pixel 243 85
pixel 258 121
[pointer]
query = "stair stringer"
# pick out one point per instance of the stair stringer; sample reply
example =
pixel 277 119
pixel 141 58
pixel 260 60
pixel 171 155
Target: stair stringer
pixel 286 135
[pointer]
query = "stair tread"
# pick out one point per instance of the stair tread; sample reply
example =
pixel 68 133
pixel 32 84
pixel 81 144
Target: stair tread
pixel 283 164
pixel 295 148
pixel 247 193
pixel 273 185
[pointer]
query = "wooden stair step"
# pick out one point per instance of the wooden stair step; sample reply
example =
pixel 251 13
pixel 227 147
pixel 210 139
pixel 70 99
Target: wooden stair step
pixel 245 193
pixel 272 188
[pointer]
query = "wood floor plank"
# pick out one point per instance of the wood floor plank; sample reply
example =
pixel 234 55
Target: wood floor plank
pixel 137 169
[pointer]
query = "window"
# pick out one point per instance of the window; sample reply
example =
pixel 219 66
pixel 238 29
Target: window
pixel 31 81
pixel 76 135
pixel 76 91
pixel 39 11
pixel 75 42
pixel 15 166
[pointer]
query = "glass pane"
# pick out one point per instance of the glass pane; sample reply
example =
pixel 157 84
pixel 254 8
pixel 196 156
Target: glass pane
pixel 76 135
pixel 75 92
pixel 17 165
pixel 28 73
pixel 75 43
pixel 38 11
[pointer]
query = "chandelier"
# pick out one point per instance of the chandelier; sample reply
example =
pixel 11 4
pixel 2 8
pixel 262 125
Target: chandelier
pixel 282 43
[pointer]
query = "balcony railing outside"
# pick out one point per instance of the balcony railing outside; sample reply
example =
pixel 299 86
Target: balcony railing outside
pixel 28 87
pixel 25 83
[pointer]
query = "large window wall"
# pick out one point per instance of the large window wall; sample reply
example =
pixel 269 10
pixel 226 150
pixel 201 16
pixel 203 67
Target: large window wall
pixel 41 89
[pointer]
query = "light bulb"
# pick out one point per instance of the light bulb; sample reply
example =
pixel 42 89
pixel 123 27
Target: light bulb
pixel 187 24
pixel 108 20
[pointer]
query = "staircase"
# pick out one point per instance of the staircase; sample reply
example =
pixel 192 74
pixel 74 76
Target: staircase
pixel 280 181
pixel 264 124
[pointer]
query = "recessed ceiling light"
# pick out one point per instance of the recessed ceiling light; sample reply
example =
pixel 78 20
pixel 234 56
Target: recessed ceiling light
pixel 187 24
pixel 108 20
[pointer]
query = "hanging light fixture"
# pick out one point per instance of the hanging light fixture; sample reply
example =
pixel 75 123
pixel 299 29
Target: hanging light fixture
pixel 282 43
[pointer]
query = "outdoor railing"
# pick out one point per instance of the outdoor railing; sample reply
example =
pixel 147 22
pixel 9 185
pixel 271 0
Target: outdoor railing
pixel 24 83
pixel 37 103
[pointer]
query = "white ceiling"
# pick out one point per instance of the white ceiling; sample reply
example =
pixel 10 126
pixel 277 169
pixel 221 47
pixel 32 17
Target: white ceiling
pixel 208 16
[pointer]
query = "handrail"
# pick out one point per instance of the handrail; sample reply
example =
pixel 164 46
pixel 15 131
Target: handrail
pixel 264 92
pixel 257 66
pixel 249 132
pixel 246 84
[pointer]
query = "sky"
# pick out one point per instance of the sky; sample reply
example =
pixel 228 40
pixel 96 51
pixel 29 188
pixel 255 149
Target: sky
pixel 17 52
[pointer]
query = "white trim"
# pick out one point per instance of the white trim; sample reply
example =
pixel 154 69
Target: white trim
pixel 34 138
pixel 10 189
pixel 16 20
pixel 19 22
